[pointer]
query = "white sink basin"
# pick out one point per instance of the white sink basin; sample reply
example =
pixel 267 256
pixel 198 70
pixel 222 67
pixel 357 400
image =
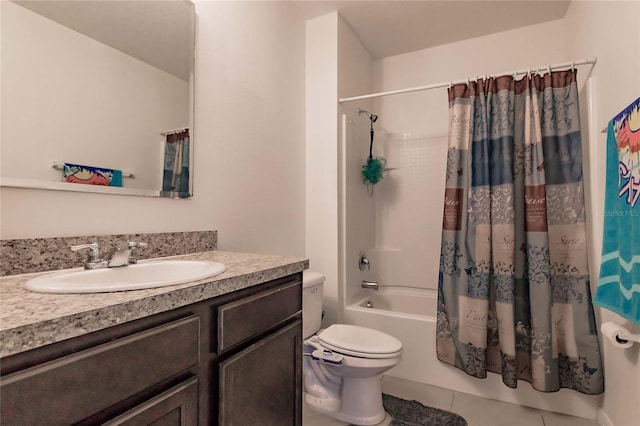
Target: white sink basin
pixel 133 277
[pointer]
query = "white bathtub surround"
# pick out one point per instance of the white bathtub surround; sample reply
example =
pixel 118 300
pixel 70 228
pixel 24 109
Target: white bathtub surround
pixel 414 323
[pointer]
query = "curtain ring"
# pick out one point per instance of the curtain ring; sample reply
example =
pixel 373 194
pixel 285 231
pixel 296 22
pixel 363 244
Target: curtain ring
pixel 450 84
pixel 549 68
pixel 573 65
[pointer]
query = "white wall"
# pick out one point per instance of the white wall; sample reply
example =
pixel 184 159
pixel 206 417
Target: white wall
pixel 425 112
pixel 250 122
pixel 337 65
pixel 69 98
pixel 322 156
pixel 249 146
pixel 609 30
pixel 408 202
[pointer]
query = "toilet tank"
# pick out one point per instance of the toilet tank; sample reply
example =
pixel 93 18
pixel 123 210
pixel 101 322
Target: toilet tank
pixel 311 302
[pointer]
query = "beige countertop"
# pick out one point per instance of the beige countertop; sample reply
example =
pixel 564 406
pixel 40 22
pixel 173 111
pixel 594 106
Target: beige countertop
pixel 29 320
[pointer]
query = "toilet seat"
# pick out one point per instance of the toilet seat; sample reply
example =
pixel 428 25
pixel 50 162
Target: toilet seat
pixel 360 342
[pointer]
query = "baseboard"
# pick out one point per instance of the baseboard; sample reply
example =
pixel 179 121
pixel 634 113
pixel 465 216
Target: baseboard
pixel 603 419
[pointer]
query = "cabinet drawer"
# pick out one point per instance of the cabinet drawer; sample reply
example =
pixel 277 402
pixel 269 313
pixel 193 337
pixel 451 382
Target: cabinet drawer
pixel 69 389
pixel 243 319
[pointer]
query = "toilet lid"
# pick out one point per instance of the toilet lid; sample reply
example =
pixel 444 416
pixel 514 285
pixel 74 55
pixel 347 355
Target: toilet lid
pixel 360 341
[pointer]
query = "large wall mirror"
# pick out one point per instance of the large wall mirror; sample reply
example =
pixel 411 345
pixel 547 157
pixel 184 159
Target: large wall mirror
pixel 106 84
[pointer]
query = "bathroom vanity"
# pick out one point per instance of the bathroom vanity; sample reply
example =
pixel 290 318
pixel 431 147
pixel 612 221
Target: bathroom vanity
pixel 225 351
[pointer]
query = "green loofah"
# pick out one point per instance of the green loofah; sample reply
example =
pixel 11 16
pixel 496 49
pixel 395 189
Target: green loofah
pixel 372 170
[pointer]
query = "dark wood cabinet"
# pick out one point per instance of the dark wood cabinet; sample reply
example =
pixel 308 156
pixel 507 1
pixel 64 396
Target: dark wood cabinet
pixel 223 361
pixel 177 406
pixel 74 387
pixel 260 385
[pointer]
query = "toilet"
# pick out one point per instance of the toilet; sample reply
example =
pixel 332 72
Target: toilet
pixel 343 364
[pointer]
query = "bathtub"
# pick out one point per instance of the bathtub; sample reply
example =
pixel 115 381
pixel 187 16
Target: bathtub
pixel 409 314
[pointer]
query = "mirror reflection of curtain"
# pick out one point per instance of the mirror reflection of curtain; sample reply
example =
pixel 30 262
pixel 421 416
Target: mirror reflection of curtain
pixel 175 177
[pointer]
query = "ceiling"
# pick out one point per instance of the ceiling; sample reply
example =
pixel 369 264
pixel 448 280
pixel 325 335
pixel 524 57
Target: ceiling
pixel 160 32
pixel 388 28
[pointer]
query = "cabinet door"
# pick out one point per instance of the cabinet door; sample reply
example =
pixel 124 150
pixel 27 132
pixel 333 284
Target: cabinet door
pixel 177 406
pixel 70 389
pixel 262 385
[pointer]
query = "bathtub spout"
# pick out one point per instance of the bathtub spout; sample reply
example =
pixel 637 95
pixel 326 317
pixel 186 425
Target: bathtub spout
pixel 370 284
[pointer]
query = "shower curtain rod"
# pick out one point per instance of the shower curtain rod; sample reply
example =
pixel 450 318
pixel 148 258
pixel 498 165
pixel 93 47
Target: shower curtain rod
pixel 450 83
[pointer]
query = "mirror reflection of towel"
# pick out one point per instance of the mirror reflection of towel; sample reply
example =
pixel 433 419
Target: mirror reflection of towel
pixel 88 175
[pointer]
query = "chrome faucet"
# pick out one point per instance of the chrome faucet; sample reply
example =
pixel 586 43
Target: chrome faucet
pixel 120 256
pixel 123 255
pixel 370 284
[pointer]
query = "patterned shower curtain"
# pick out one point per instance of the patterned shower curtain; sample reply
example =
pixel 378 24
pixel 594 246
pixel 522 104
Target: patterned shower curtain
pixel 513 292
pixel 175 176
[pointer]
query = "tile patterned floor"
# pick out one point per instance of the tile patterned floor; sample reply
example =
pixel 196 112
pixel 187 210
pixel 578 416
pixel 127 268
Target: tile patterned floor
pixel 476 410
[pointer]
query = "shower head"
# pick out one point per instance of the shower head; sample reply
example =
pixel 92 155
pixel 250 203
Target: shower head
pixel 372 117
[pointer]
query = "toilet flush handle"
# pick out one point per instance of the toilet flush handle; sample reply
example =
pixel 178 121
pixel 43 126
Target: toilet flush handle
pixel 327 356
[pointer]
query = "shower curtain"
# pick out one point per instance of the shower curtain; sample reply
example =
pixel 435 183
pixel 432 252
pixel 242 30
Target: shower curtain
pixel 175 176
pixel 513 292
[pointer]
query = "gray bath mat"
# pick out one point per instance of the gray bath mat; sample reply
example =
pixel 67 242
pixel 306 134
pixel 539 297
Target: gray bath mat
pixel 412 413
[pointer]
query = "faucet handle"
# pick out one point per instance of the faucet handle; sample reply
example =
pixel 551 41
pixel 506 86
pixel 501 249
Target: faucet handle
pixel 363 262
pixel 94 261
pixel 94 256
pixel 133 245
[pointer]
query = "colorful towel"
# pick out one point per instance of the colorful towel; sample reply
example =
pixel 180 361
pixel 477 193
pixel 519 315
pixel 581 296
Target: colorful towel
pixel 76 173
pixel 619 284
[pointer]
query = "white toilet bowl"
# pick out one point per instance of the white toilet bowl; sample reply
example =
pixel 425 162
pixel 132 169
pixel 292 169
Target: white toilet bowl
pixel 342 369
